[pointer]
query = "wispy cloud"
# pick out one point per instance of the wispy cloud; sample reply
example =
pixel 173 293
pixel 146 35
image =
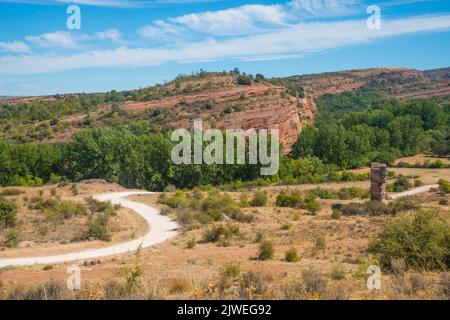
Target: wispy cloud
pixel 14 46
pixel 245 19
pixel 62 39
pixel 110 34
pixel 69 40
pixel 300 38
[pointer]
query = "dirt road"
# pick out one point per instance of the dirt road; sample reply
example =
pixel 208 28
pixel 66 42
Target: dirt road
pixel 413 191
pixel 161 229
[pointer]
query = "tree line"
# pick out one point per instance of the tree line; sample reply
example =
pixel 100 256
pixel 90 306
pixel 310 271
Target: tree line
pixel 353 129
pixel 134 157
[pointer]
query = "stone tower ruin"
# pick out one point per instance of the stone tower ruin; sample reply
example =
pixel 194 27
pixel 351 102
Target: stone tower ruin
pixel 378 181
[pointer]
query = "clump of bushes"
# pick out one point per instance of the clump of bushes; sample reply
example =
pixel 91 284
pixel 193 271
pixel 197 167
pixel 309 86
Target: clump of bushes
pixel 291 200
pixel 401 184
pixel 231 270
pixel 286 226
pixel 313 282
pixel 12 239
pixel 312 205
pixel 266 250
pixel 421 242
pixel 444 185
pixel 27 181
pixel 259 237
pixel 295 200
pixel 418 183
pixel 320 243
pixel 346 176
pixel 292 255
pixel 376 208
pixel 98 228
pixel 342 194
pixel 260 199
pixel 8 213
pixel 57 210
pixel 221 234
pixel 336 214
pixel 194 207
pixel 338 272
pixel 10 192
pixel 244 80
pixel 191 243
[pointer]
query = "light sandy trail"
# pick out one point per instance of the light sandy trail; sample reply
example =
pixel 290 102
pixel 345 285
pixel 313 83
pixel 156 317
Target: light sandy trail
pixel 161 229
pixel 413 191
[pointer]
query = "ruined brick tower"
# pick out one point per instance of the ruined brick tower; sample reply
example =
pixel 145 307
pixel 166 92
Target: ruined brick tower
pixel 378 180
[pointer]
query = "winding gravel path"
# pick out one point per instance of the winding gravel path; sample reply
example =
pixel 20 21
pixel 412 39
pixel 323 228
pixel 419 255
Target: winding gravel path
pixel 161 229
pixel 413 191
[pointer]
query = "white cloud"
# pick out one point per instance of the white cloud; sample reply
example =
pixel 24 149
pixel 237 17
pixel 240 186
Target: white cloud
pixel 324 8
pixel 110 34
pixel 161 30
pixel 301 38
pixel 62 39
pixel 246 19
pixel 14 46
pixel 240 20
pixel 68 40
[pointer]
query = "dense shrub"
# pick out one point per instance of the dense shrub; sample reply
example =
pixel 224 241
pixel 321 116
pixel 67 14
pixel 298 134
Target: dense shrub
pixel 291 200
pixel 338 272
pixel 8 213
pixel 12 239
pixel 292 255
pixel 444 186
pixel 220 233
pixel 336 214
pixel 260 199
pixel 57 210
pixel 244 80
pixel 401 184
pixel 342 194
pixel 422 242
pixel 312 205
pixel 191 243
pixel 191 207
pixel 98 228
pixel 266 250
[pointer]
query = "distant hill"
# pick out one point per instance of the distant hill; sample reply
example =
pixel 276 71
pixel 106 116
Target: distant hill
pixel 400 83
pixel 221 99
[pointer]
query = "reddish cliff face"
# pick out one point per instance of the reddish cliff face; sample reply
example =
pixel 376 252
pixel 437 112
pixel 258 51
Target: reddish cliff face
pixel 221 102
pixel 225 104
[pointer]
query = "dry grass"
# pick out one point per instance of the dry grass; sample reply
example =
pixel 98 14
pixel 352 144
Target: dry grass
pixel 174 271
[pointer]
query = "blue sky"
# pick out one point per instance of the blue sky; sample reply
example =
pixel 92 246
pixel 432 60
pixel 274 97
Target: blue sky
pixel 127 44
